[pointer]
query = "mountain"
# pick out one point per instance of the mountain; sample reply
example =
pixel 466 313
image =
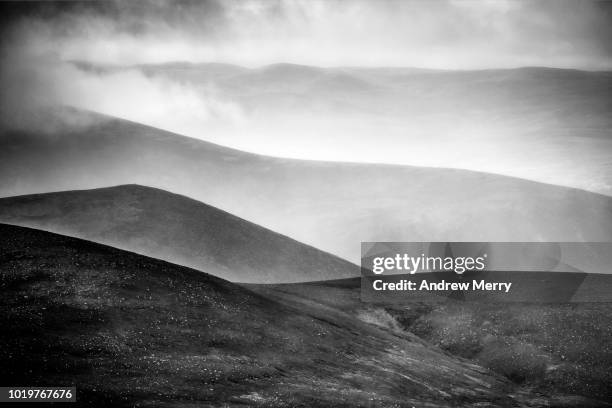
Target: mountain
pixel 329 205
pixel 542 124
pixel 177 229
pixel 538 99
pixel 131 330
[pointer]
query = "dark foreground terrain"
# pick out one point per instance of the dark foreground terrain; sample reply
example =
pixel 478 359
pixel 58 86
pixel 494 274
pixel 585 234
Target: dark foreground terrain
pixel 128 330
pixel 555 348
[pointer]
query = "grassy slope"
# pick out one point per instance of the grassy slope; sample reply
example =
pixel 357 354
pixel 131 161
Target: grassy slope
pixel 555 348
pixel 129 329
pixel 331 206
pixel 177 229
pixel 558 349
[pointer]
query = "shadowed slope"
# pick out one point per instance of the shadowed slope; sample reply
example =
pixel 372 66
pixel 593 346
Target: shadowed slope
pixel 177 229
pixel 127 329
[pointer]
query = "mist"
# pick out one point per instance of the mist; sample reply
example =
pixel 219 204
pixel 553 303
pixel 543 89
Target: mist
pixel 332 102
pixel 444 34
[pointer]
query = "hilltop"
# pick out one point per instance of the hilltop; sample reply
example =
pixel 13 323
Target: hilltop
pixel 178 229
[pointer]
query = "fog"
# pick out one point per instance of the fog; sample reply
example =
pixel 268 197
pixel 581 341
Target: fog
pixel 117 58
pixel 448 34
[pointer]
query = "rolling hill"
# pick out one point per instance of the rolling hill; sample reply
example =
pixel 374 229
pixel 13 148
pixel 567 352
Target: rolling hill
pixel 176 229
pixel 329 205
pixel 537 123
pixel 574 93
pixel 131 330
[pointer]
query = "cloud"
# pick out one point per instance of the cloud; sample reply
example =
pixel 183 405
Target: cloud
pixel 38 41
pixel 439 33
pixel 38 88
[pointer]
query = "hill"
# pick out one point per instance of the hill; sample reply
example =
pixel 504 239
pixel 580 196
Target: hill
pixel 543 124
pixel 556 348
pixel 331 206
pixel 130 330
pixel 177 229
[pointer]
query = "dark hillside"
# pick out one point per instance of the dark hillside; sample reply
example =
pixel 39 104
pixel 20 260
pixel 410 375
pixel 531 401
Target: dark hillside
pixel 127 329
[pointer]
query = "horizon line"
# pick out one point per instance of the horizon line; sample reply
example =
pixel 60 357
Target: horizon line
pixel 253 67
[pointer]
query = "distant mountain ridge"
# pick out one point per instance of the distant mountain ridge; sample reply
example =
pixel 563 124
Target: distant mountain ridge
pixel 175 228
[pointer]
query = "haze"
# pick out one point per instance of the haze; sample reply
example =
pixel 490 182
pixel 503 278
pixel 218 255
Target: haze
pixel 331 106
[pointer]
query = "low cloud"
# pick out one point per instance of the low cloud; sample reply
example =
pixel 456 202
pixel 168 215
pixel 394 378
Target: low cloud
pixel 38 39
pixel 86 55
pixel 436 34
pixel 38 89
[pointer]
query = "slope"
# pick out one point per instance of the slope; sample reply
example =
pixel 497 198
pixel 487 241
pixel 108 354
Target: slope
pixel 177 229
pixel 127 329
pixel 331 206
pixel 558 349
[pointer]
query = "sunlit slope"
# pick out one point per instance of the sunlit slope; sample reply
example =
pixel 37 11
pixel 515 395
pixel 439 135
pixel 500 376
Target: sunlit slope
pixel 543 124
pixel 131 330
pixel 177 229
pixel 332 206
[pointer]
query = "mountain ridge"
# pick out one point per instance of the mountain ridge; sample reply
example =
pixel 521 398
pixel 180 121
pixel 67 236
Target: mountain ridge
pixel 331 206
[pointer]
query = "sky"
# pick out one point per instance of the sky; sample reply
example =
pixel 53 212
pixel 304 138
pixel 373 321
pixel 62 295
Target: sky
pixel 450 34
pixel 40 41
